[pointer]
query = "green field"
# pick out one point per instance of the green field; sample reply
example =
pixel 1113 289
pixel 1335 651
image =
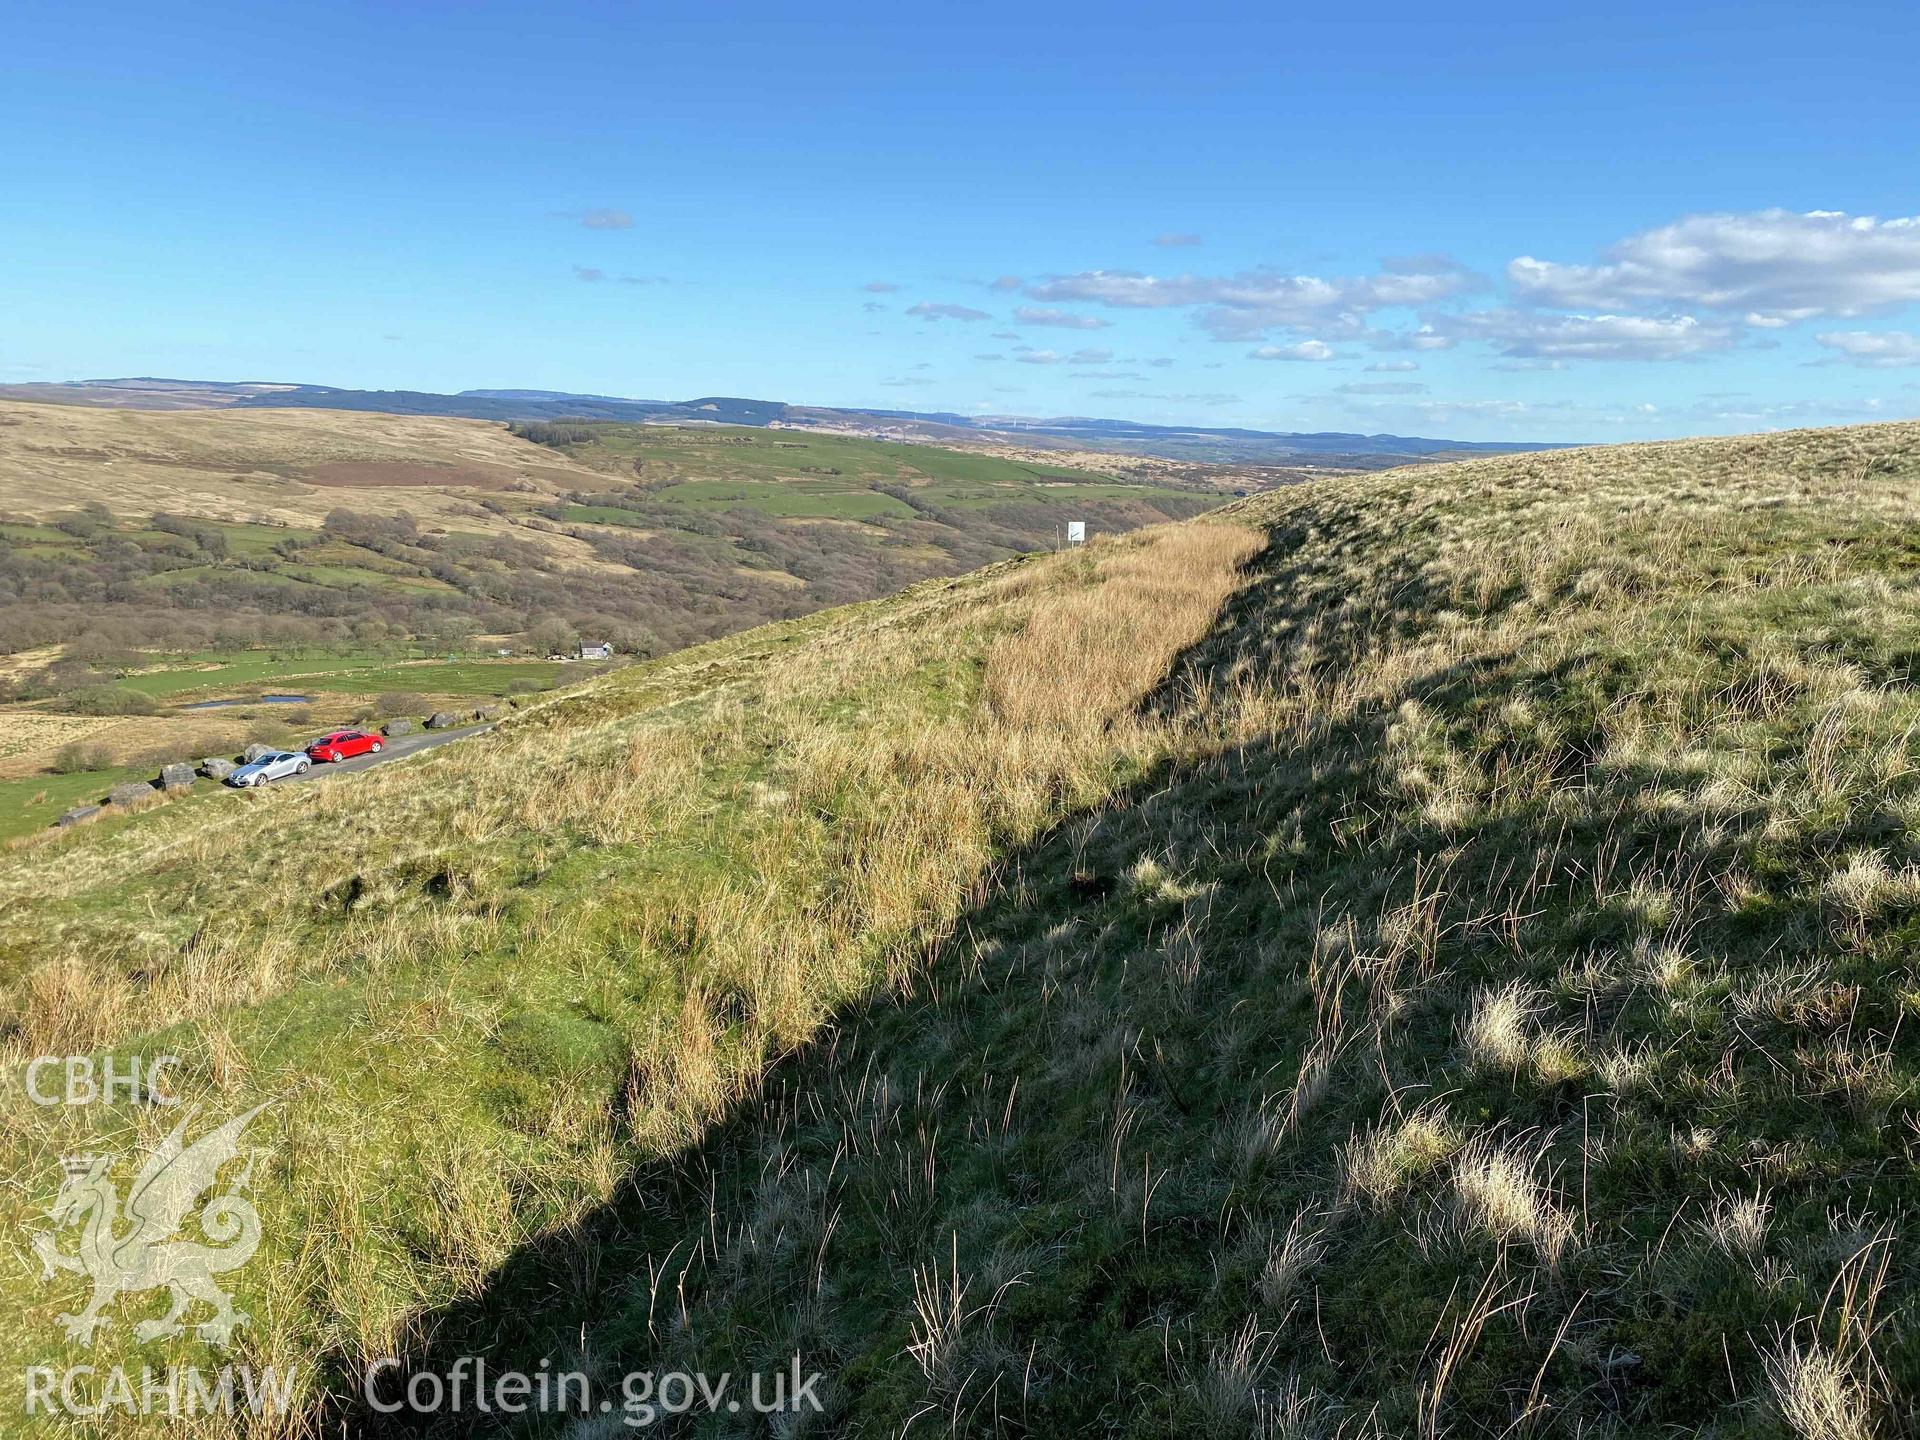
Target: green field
pixel 786 498
pixel 36 801
pixel 797 474
pixel 367 674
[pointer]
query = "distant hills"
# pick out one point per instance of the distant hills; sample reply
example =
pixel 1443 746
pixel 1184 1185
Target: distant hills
pixel 1333 449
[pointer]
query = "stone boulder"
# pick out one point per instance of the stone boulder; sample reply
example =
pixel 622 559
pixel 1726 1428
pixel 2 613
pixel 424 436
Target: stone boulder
pixel 217 767
pixel 177 776
pixel 129 792
pixel 77 814
pixel 397 727
pixel 442 720
pixel 254 751
pixel 489 712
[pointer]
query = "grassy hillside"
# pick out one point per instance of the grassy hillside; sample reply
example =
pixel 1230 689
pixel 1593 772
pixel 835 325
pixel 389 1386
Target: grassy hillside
pixel 1431 955
pixel 183 529
pixel 130 538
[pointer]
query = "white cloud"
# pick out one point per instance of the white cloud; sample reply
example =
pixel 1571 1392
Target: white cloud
pixel 1214 397
pixel 1776 264
pixel 1030 356
pixel 926 311
pixel 1424 338
pixel 594 276
pixel 1382 387
pixel 1388 367
pixel 1176 239
pixel 880 287
pixel 1058 319
pixel 606 220
pixel 1531 335
pixel 1873 349
pixel 1246 306
pixel 1005 283
pixel 1300 350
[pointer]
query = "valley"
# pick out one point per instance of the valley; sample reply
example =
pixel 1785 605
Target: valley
pixel 153 560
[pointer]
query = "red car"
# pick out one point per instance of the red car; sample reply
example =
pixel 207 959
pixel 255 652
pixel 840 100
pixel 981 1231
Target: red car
pixel 344 745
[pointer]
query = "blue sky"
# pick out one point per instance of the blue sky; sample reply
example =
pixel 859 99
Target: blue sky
pixel 1613 221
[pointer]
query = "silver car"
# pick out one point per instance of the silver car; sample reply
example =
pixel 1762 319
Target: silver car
pixel 274 766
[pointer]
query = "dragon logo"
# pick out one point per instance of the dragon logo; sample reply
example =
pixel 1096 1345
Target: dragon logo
pixel 140 1252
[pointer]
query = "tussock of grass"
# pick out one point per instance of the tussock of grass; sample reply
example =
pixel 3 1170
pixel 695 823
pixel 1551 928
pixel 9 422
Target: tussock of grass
pixel 1495 1192
pixel 1380 1165
pixel 1816 1396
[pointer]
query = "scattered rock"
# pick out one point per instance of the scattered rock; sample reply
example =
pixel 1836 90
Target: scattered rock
pixel 441 720
pixel 77 814
pixel 177 776
pixel 397 727
pixel 254 751
pixel 489 712
pixel 129 792
pixel 217 767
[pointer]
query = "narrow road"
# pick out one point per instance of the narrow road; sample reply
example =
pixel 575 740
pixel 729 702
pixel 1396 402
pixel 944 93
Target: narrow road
pixel 395 747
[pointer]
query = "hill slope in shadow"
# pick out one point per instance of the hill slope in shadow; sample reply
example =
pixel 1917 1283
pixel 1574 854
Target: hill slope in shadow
pixel 1493 1015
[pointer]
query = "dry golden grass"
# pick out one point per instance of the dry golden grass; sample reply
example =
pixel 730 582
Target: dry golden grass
pixel 857 810
pixel 1495 1193
pixel 29 737
pixel 246 465
pixel 1816 1396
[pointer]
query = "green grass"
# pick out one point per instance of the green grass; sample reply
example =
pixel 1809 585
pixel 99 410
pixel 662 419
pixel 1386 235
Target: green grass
pixel 359 575
pixel 188 574
pixel 33 803
pixel 365 673
pixel 601 515
pixel 254 541
pixel 17 533
pixel 794 473
pixel 247 671
pixel 788 498
pixel 450 677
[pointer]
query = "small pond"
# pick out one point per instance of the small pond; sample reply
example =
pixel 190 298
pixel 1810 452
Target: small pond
pixel 248 700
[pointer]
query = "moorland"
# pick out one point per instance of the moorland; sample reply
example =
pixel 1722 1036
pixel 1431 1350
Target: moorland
pixel 1420 953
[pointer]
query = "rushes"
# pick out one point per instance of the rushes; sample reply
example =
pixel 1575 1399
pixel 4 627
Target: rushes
pixel 1290 1260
